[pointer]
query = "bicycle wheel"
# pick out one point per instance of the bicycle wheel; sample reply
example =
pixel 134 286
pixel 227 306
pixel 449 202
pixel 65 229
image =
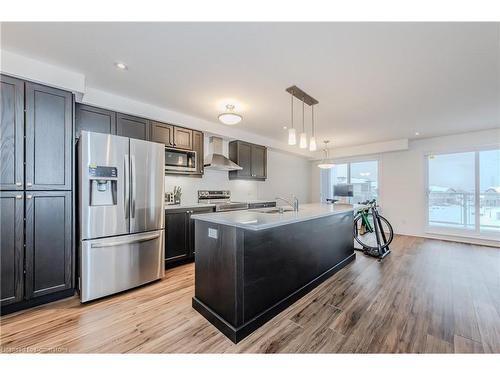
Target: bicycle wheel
pixel 368 239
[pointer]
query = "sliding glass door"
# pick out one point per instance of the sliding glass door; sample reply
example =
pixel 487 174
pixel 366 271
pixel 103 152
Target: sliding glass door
pixel 464 192
pixel 489 190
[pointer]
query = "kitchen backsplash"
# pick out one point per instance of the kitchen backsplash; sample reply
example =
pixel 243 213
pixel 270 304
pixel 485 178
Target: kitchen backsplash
pixel 212 180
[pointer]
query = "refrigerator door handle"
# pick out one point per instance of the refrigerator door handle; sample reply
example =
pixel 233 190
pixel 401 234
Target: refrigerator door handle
pixel 126 182
pixel 125 242
pixel 133 184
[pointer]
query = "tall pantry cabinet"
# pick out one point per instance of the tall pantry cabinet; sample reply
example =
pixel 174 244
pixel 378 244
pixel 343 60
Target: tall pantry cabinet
pixel 36 194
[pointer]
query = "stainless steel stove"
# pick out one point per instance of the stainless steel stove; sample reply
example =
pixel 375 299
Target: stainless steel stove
pixel 221 199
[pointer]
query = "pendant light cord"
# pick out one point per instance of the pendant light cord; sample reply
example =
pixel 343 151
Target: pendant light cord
pixel 312 119
pixel 303 122
pixel 291 106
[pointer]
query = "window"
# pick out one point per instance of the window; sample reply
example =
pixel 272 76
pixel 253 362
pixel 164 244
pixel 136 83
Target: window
pixel 489 190
pixel 362 175
pixel 464 191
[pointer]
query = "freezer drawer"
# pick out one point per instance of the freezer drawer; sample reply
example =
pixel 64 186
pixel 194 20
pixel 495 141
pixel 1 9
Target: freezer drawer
pixel 114 264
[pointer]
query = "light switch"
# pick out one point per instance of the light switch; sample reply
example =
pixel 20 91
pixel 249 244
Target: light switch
pixel 213 233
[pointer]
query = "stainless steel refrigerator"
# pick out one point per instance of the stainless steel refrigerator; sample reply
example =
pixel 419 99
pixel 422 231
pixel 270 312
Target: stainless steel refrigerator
pixel 121 213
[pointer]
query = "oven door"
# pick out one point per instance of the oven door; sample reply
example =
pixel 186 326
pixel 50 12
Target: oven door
pixel 180 160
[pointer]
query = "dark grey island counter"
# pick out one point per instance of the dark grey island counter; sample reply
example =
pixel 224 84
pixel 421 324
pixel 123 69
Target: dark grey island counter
pixel 251 265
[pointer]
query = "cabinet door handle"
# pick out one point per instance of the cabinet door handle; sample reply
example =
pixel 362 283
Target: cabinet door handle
pixel 19 183
pixel 19 196
pixel 29 184
pixel 29 196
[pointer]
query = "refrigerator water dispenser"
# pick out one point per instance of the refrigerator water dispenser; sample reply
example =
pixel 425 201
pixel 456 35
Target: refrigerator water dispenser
pixel 103 181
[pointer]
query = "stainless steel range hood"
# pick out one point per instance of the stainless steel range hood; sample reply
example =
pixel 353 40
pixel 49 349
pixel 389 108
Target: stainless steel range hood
pixel 216 160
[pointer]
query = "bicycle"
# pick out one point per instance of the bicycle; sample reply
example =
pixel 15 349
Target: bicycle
pixel 372 231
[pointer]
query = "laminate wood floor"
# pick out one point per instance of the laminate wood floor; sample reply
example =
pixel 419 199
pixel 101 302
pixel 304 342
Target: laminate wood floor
pixel 428 296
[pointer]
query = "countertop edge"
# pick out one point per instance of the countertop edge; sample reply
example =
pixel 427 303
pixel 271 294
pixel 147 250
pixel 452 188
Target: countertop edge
pixel 292 220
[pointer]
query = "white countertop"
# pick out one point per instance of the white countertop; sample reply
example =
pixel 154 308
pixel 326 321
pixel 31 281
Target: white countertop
pixel 255 220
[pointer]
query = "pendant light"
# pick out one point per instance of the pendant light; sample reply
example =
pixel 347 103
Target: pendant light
pixel 312 141
pixel 325 163
pixel 303 135
pixel 292 137
pixel 229 117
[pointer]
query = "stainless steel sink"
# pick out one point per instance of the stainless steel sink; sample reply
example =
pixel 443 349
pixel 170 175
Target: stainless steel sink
pixel 273 210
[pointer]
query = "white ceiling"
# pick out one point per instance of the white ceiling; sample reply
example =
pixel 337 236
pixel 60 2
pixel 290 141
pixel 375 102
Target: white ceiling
pixel 374 81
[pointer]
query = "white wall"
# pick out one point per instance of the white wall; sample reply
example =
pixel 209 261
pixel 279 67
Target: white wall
pixel 287 174
pixel 402 178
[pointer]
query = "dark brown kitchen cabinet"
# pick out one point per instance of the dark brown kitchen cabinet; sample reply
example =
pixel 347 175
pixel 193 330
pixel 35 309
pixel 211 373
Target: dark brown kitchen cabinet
pixel 203 210
pixel 48 242
pixel 11 133
pixel 132 127
pixel 198 143
pixel 183 138
pixel 94 119
pixel 251 158
pixel 179 234
pixel 48 147
pixel 37 213
pixel 176 236
pixel 241 154
pixel 259 162
pixel 162 133
pixel 11 247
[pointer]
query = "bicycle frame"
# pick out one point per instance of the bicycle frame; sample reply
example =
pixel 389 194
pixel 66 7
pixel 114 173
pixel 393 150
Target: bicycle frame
pixel 377 227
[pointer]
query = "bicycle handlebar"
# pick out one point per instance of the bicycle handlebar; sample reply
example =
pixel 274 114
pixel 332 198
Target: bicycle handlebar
pixel 369 202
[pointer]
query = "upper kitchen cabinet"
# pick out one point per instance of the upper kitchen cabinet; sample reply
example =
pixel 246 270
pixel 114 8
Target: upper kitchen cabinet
pixel 94 119
pixel 162 133
pixel 11 133
pixel 198 143
pixel 183 138
pixel 259 162
pixel 171 135
pixel 48 147
pixel 132 127
pixel 251 158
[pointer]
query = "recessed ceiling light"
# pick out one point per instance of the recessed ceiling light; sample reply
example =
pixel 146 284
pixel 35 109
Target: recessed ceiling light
pixel 121 65
pixel 285 127
pixel 417 134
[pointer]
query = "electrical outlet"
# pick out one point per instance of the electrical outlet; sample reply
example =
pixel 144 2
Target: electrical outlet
pixel 213 233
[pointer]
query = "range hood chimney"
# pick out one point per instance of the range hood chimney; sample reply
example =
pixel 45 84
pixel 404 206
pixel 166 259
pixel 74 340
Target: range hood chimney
pixel 215 160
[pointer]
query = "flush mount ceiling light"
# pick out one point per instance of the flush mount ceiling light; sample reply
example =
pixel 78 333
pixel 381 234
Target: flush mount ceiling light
pixel 229 117
pixel 325 164
pixel 121 66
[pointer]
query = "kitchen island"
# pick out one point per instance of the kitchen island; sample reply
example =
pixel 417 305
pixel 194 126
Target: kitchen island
pixel 251 265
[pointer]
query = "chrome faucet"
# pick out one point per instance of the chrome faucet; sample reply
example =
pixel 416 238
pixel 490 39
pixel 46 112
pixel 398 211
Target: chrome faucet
pixel 294 203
